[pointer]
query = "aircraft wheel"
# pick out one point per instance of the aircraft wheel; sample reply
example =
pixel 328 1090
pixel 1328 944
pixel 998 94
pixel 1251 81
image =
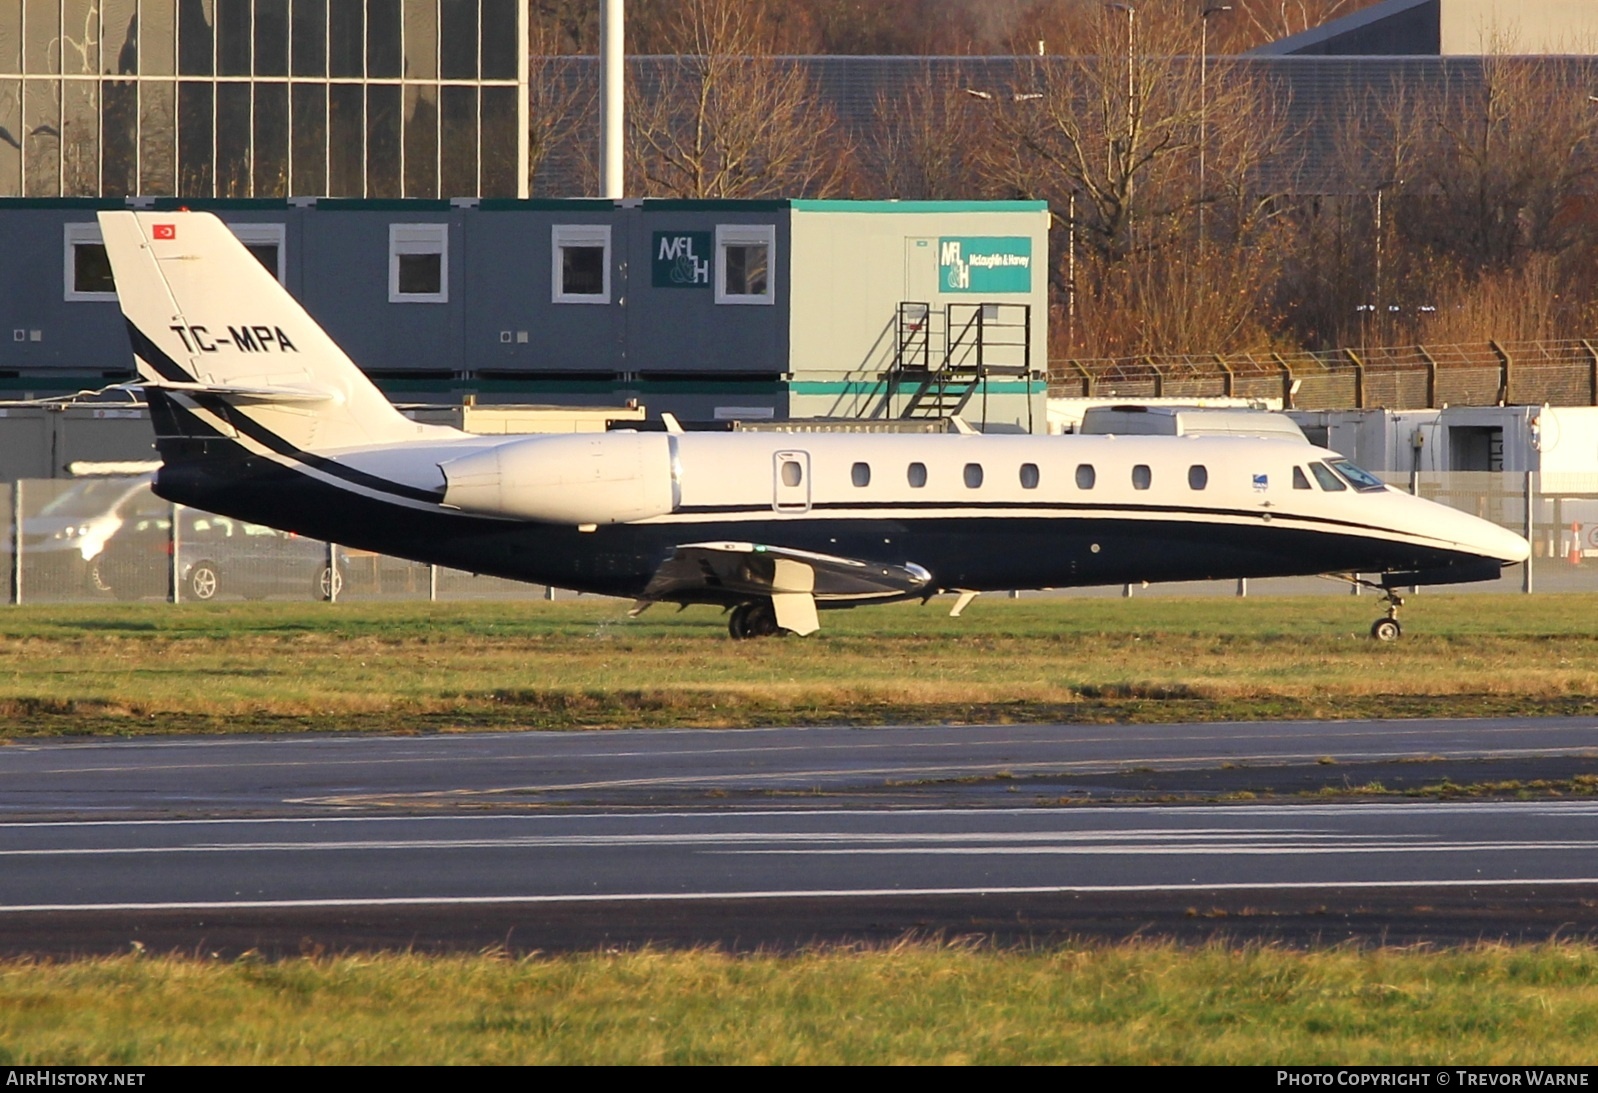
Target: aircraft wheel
pixel 763 620
pixel 1386 630
pixel 329 583
pixel 756 619
pixel 204 582
pixel 96 579
pixel 738 622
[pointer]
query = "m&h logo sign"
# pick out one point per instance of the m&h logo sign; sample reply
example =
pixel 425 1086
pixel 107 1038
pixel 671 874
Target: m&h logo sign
pixel 985 264
pixel 680 260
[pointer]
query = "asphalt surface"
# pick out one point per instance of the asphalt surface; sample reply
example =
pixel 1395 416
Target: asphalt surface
pixel 785 837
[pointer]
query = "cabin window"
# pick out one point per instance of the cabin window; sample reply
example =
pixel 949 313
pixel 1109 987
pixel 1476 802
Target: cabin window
pixel 1085 476
pixel 973 475
pixel 88 270
pixel 1198 476
pixel 1300 479
pixel 792 473
pixel 418 263
pixel 745 256
pixel 265 241
pixel 917 475
pixel 580 263
pixel 860 474
pixel 1029 476
pixel 1142 477
pixel 1329 481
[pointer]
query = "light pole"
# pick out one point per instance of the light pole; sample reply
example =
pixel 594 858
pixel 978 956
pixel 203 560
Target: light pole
pixel 1131 115
pixel 1204 108
pixel 613 65
pixel 1131 36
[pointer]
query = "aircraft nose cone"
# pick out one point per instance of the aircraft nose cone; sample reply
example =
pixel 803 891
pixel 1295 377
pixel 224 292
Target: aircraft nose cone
pixel 1514 547
pixel 1487 539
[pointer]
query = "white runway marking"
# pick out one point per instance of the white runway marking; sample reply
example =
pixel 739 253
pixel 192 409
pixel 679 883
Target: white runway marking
pixel 828 893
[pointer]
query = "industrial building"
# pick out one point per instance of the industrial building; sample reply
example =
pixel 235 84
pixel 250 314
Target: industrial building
pixel 715 311
pixel 263 98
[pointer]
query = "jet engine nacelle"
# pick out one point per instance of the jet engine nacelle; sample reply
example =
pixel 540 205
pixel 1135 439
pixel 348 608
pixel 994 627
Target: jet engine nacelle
pixel 598 478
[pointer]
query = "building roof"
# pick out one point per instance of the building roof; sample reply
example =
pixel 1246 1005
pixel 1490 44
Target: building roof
pixel 1450 28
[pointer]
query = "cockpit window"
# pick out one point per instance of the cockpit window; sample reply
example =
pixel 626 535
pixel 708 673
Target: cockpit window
pixel 1329 481
pixel 1300 479
pixel 1362 480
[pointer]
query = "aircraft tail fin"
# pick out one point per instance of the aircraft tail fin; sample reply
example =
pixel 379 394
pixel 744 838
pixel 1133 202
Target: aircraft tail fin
pixel 225 347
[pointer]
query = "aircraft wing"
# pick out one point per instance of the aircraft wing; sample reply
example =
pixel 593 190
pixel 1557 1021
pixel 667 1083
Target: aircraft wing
pixel 793 579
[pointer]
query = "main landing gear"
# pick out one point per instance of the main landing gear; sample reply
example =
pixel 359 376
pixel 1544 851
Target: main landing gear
pixel 753 619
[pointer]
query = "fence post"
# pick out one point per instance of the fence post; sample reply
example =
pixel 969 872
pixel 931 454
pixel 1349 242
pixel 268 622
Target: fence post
pixel 1159 377
pixel 174 569
pixel 1287 380
pixel 16 542
pixel 1359 378
pixel 1431 378
pixel 432 584
pixel 1503 372
pixel 1531 528
pixel 1229 380
pixel 1592 372
pixel 1087 381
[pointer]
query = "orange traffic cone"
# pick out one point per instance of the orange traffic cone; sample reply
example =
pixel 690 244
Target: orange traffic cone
pixel 1575 544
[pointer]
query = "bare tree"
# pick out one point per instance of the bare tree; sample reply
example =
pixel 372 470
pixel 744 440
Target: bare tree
pixel 1508 153
pixel 1261 21
pixel 1152 166
pixel 723 117
pixel 920 144
pixel 562 95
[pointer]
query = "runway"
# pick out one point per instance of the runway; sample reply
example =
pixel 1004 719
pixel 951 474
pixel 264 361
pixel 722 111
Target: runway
pixel 788 836
pixel 161 777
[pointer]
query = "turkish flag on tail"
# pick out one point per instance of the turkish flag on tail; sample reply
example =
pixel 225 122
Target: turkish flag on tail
pixel 165 231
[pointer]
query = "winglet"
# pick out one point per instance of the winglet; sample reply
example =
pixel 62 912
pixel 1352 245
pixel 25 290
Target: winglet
pixel 961 426
pixel 671 423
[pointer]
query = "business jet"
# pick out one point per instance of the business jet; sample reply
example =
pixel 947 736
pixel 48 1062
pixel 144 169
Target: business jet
pixel 260 416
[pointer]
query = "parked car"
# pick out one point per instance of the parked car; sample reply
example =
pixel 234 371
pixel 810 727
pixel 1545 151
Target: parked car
pixel 217 556
pixel 62 542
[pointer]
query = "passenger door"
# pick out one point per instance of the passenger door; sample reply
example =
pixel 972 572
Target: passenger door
pixel 791 481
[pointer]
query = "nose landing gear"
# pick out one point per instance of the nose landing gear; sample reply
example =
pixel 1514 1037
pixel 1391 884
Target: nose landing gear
pixel 1385 628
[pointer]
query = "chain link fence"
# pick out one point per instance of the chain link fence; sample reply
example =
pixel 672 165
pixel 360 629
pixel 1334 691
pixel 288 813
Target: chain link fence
pixel 113 539
pixel 1563 373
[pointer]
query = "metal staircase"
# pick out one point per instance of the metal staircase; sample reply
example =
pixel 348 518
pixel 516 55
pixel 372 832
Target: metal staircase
pixel 978 340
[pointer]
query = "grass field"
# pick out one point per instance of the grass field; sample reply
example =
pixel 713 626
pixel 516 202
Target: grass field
pixel 140 668
pixel 148 668
pixel 1139 1003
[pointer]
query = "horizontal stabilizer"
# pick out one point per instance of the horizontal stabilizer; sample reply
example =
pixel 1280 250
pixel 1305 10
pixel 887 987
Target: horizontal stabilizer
pixel 241 393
